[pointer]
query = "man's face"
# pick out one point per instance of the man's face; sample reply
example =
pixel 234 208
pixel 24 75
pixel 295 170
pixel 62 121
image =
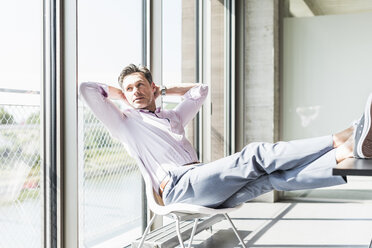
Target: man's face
pixel 138 91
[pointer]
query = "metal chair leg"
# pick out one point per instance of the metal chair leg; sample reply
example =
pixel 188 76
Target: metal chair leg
pixel 146 231
pixel 234 229
pixel 178 230
pixel 193 232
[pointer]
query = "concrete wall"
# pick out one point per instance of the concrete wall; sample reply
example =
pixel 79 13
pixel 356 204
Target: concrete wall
pixel 217 84
pixel 261 71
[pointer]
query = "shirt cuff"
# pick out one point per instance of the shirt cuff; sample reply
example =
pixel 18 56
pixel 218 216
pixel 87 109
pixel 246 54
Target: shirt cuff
pixel 197 92
pixel 103 89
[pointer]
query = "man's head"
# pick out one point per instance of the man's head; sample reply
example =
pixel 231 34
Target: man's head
pixel 136 83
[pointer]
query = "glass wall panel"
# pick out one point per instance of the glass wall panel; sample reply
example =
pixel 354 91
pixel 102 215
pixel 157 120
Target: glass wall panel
pixel 181 61
pixel 179 49
pixel 327 55
pixel 109 38
pixel 172 41
pixel 21 53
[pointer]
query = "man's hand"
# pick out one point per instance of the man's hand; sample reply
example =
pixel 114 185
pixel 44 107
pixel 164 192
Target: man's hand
pixel 178 89
pixel 175 90
pixel 116 94
pixel 157 91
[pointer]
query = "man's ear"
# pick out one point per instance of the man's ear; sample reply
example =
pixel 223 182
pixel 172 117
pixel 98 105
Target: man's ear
pixel 153 86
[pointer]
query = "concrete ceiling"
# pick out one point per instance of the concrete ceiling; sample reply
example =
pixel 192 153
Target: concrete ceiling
pixel 303 8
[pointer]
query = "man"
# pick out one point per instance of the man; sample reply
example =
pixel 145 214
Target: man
pixel 156 138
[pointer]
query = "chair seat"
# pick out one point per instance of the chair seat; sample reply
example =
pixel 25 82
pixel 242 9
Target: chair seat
pixel 184 208
pixel 155 203
pixel 181 211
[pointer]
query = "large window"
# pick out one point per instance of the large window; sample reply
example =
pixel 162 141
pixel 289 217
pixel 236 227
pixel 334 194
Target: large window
pixel 109 38
pixel 21 196
pixel 37 65
pixel 180 52
pixel 184 60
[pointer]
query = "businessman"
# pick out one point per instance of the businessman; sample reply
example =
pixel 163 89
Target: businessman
pixel 155 137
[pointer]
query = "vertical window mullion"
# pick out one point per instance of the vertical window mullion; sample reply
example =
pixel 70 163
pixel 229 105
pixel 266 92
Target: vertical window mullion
pixel 205 136
pixel 198 77
pixel 67 108
pixel 229 104
pixel 227 77
pixel 50 125
pixel 145 62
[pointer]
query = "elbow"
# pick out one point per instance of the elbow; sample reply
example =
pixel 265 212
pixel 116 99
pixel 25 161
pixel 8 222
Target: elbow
pixel 90 88
pixel 204 89
pixel 83 88
pixel 199 92
pixel 203 92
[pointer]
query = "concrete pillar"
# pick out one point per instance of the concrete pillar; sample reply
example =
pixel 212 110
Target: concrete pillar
pixel 217 84
pixel 261 73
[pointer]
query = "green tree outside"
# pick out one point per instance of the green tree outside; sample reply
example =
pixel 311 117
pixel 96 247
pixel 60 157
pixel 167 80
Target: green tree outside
pixel 5 117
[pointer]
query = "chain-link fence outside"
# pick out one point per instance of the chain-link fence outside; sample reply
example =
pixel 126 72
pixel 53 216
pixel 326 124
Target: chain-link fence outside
pixel 111 184
pixel 112 191
pixel 20 175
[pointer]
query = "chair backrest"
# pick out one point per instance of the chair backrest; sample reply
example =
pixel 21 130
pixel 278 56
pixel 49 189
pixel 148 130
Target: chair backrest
pixel 157 198
pixel 154 200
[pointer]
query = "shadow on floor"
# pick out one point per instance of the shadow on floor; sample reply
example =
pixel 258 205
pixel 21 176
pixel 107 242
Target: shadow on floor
pixel 226 238
pixel 223 239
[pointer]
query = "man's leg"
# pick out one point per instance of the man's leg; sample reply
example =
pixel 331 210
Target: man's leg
pixel 309 176
pixel 287 155
pixel 211 184
pixel 248 192
pixel 313 175
pixel 316 174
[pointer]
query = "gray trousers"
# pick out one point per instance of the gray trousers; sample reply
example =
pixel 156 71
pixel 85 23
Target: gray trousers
pixel 257 169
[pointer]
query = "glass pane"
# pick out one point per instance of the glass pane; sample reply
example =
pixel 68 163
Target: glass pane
pixel 179 49
pixel 172 47
pixel 326 56
pixel 109 38
pixel 21 26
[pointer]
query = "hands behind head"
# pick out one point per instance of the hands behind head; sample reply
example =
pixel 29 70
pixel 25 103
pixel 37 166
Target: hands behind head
pixel 117 94
pixel 157 91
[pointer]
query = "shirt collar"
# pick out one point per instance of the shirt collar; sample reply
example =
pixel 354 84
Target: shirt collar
pixel 157 110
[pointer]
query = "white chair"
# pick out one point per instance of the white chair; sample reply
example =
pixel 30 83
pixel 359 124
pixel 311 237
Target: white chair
pixel 180 212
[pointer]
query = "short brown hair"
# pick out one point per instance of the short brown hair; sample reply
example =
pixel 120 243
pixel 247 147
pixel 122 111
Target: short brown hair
pixel 133 69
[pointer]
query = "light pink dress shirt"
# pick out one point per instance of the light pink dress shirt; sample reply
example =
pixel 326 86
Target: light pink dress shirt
pixel 156 140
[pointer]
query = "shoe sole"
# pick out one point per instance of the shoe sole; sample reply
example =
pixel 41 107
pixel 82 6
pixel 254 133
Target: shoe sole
pixel 365 147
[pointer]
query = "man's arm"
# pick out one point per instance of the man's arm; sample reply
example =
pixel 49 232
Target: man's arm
pixel 194 97
pixel 97 96
pixel 116 94
pixel 172 90
pixel 176 89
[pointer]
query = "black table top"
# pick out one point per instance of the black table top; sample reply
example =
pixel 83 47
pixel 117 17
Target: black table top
pixel 354 167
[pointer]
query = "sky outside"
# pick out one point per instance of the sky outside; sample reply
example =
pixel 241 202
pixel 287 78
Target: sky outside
pixel 20 49
pixel 109 37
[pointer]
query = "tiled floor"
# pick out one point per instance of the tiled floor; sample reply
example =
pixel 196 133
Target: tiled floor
pixel 332 217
